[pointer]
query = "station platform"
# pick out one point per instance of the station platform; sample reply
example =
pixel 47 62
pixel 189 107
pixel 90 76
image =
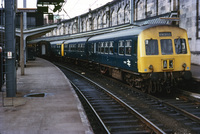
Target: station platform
pixel 45 104
pixel 195 69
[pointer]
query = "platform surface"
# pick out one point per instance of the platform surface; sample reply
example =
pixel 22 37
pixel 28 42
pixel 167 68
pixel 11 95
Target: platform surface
pixel 195 69
pixel 58 112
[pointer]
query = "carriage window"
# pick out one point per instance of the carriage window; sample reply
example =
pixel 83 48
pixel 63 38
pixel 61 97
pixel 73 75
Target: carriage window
pixel 70 47
pixel 128 47
pixel 66 48
pixel 111 48
pixel 106 47
pixel 58 46
pixel 74 47
pixel 180 46
pixel 66 45
pixel 99 47
pixel 166 47
pixel 81 47
pixel 94 48
pixel 121 47
pixel 151 47
pixel 102 47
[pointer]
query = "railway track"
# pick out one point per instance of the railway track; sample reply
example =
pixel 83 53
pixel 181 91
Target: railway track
pixel 182 113
pixel 112 113
pixel 181 107
pixel 187 106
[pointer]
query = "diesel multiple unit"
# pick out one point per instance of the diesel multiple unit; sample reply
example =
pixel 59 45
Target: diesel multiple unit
pixel 153 58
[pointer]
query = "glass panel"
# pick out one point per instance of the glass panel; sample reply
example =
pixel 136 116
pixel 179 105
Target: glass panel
pixel 111 48
pixel 166 47
pixel 128 47
pixel 99 48
pixel 73 47
pixel 92 48
pixel 151 47
pixel 106 47
pixel 82 47
pixel 180 46
pixel 121 47
pixel 102 47
pixel 79 47
pixel 70 47
pixel 95 48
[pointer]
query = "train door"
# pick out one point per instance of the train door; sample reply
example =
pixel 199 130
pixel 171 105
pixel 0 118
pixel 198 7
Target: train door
pixel 113 52
pixel 121 58
pixel 43 49
pixel 89 50
pixel 134 54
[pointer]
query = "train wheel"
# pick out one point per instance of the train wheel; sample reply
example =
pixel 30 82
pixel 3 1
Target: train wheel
pixel 103 70
pixel 144 87
pixel 168 90
pixel 152 87
pixel 131 83
pixel 159 88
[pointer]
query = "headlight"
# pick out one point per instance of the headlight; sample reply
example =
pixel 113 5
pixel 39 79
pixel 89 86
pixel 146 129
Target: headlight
pixel 170 63
pixel 164 63
pixel 184 65
pixel 150 67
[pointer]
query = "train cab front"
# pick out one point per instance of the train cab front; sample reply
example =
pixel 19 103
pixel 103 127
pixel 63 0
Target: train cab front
pixel 164 54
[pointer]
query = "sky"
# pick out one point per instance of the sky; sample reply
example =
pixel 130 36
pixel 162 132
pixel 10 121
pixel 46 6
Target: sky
pixel 72 7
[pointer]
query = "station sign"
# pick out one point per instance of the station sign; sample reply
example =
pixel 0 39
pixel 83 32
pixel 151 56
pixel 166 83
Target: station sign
pixel 9 55
pixel 30 10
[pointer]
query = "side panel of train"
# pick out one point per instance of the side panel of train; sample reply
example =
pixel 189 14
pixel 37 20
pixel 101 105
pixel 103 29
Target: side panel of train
pixel 150 57
pixel 43 49
pixel 166 50
pixel 118 53
pixel 56 49
pixel 75 51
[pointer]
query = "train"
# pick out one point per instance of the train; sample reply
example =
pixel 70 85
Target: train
pixel 153 58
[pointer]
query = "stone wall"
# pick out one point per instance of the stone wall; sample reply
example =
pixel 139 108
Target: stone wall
pixel 118 12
